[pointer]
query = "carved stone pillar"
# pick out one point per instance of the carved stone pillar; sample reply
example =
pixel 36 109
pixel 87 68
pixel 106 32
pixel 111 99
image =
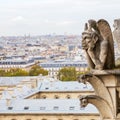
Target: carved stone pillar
pixel 106 84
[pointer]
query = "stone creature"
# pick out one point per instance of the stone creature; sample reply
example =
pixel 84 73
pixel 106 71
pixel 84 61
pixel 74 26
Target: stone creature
pixel 83 101
pixel 102 106
pixel 97 41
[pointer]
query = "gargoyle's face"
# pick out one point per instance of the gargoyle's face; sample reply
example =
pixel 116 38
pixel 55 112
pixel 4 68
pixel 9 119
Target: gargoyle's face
pixel 89 41
pixel 82 79
pixel 84 102
pixel 87 38
pixel 79 78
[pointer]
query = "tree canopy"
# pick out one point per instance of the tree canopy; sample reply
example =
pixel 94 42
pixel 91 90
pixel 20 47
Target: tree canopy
pixel 34 71
pixel 67 74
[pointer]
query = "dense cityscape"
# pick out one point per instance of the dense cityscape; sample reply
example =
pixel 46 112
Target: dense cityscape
pixel 59 60
pixel 51 53
pixel 47 46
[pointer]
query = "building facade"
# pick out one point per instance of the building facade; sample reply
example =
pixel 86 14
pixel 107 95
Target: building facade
pixel 46 110
pixel 41 87
pixel 54 66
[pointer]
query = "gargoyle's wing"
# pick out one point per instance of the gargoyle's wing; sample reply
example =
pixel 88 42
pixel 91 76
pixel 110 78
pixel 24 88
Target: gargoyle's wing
pixel 116 33
pixel 106 34
pixel 105 31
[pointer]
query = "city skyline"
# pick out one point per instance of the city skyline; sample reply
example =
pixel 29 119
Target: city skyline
pixel 38 17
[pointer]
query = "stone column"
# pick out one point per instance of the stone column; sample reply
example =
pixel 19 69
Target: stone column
pixel 106 84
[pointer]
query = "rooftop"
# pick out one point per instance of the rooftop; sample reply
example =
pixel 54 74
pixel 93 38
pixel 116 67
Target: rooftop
pixel 9 81
pixel 47 106
pixel 44 85
pixel 64 86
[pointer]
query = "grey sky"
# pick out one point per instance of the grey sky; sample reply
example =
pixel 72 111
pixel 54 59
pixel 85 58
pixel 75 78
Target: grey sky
pixel 19 17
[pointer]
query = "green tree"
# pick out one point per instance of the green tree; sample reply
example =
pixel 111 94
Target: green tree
pixel 34 71
pixel 16 72
pixel 20 72
pixel 67 74
pixel 37 70
pixel 2 72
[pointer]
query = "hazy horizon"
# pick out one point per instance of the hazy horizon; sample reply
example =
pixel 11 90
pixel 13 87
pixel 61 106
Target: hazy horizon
pixel 41 17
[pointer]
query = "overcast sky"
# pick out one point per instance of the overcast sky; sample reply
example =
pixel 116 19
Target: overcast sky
pixel 36 17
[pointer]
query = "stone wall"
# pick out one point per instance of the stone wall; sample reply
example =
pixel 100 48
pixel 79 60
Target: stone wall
pixel 49 117
pixel 60 95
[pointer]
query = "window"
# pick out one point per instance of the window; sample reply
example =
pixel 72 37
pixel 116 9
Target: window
pixel 13 119
pixel 71 108
pixel 42 108
pixel 68 96
pixel 28 119
pixel 44 119
pixel 10 108
pixel 26 108
pixel 55 107
pixel 56 97
pixel 43 97
pixel 46 88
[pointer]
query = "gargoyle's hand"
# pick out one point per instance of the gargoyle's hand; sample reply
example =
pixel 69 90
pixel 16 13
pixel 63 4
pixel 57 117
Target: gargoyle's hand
pixel 84 45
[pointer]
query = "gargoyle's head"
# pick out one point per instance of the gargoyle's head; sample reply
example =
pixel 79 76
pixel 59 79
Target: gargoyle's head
pixel 84 78
pixel 83 101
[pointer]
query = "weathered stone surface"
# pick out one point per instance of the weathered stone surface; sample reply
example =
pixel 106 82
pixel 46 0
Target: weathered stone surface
pixel 106 84
pixel 97 41
pixel 116 32
pixel 103 107
pixel 105 72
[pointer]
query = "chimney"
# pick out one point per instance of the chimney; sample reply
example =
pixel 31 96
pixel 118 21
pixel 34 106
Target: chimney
pixel 19 87
pixel 8 102
pixel 33 82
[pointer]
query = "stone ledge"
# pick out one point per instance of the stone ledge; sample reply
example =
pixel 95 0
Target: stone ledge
pixel 105 72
